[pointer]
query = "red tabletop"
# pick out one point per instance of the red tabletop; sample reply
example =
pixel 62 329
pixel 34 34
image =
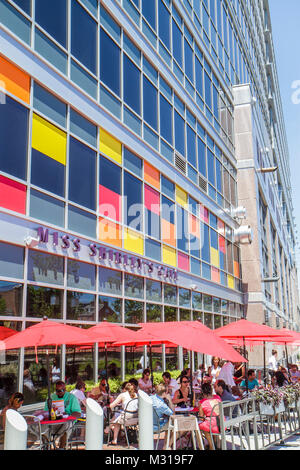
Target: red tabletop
pixel 59 421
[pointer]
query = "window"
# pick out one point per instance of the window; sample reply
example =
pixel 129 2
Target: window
pixel 109 62
pixel 82 222
pixel 110 281
pixel 134 312
pixel 188 61
pixel 164 24
pixel 153 290
pixel 49 105
pixel 170 294
pixel 148 9
pixel 52 16
pixel 191 146
pixel 131 84
pixel 43 267
pixel 47 208
pixel 150 103
pixel 134 286
pixel 11 260
pixel 81 275
pixel 177 43
pixel 83 26
pixel 13 138
pixel 82 174
pixel 153 313
pixel 132 201
pixel 179 133
pixel 10 299
pixel 44 301
pixel 184 297
pixel 83 128
pixel 110 309
pixel 110 189
pixel 133 163
pixel 166 123
pixel 81 306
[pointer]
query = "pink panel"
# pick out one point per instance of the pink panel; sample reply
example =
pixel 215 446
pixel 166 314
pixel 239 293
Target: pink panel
pixel 12 195
pixel 152 200
pixel 183 262
pixel 109 203
pixel 203 214
pixel 215 275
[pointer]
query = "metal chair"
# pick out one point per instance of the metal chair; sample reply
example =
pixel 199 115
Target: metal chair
pixel 130 419
pixel 77 436
pixel 160 428
pixel 35 431
pixel 180 424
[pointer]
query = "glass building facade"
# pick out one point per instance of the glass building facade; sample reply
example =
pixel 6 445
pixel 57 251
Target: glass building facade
pixel 118 173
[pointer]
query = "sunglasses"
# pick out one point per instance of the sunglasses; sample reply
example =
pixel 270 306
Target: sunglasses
pixel 185 381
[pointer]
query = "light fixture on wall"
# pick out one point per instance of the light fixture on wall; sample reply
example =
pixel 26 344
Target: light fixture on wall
pixel 271 279
pixel 31 241
pixel 238 212
pixel 243 235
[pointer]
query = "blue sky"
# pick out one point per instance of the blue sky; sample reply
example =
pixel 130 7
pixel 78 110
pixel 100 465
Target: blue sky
pixel 285 17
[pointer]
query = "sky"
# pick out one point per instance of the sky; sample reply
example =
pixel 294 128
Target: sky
pixel 285 18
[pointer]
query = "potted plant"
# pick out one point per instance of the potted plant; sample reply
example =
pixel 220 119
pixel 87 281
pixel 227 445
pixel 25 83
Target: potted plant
pixel 270 400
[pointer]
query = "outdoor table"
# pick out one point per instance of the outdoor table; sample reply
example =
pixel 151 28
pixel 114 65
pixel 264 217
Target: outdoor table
pixel 188 410
pixel 53 435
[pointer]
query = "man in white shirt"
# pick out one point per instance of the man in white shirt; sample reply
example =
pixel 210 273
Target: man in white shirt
pixel 170 383
pixel 227 373
pixel 273 364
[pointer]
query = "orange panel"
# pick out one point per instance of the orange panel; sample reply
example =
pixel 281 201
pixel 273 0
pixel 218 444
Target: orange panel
pixel 110 233
pixel 14 80
pixel 151 175
pixel 215 275
pixel 236 268
pixel 194 226
pixel 168 232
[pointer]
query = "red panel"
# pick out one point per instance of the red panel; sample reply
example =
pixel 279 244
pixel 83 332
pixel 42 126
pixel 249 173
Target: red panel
pixel 12 195
pixel 110 203
pixel 183 262
pixel 222 246
pixel 152 200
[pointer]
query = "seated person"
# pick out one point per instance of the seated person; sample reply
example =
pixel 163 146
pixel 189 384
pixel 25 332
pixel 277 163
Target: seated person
pixel 182 396
pixel 145 382
pixel 135 383
pixel 79 392
pixel 125 401
pixel 170 383
pixel 206 407
pixel 222 391
pixel 252 381
pixel 14 403
pixel 101 392
pixel 72 408
pixel 294 373
pixel 162 410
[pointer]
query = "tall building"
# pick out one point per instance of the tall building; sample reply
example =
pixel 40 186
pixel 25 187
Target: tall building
pixel 118 168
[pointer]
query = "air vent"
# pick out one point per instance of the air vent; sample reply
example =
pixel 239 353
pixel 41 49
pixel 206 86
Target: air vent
pixel 203 184
pixel 180 163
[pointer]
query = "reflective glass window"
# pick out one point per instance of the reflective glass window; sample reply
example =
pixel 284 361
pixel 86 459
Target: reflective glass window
pixel 132 85
pixel 188 61
pixel 132 162
pixel 109 62
pixel 184 297
pixel 81 221
pixel 13 138
pixel 177 43
pixel 179 133
pixel 170 313
pixel 83 26
pixel 166 124
pixel 148 9
pixel 11 261
pixel 44 301
pixel 52 16
pixel 153 313
pixel 11 298
pixel 170 294
pixel 134 312
pixel 153 290
pixel 49 105
pixel 82 174
pixel 110 309
pixel 81 275
pixel 134 286
pixel 191 146
pixel 81 306
pixel 83 128
pixel 133 199
pixel 150 103
pixel 164 23
pixel 24 4
pixel 152 249
pixel 44 267
pixel 110 281
pixel 47 208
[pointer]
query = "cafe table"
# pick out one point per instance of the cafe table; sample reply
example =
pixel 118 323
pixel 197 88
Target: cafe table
pixel 194 410
pixel 52 433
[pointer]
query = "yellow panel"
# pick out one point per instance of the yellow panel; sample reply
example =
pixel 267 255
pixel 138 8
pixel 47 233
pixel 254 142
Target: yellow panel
pixel 169 256
pixel 230 281
pixel 48 139
pixel 110 146
pixel 214 257
pixel 181 196
pixel 133 242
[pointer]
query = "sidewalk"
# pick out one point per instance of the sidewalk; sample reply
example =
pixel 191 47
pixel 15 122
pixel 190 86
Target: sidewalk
pixel 291 443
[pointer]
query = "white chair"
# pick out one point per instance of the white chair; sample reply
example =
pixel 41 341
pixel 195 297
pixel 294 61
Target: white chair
pixel 183 424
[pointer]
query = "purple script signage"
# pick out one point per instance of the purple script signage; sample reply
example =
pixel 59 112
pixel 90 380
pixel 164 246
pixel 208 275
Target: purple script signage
pixel 107 254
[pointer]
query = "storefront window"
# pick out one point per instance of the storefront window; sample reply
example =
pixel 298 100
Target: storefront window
pixel 134 286
pixel 43 267
pixel 44 301
pixel 184 315
pixel 208 320
pixel 207 303
pixel 170 294
pixel 170 313
pixel 154 313
pixel 217 321
pixel 216 305
pixel 153 290
pixel 184 298
pixel 79 364
pixel 11 261
pixel 81 306
pixel 134 312
pixel 110 281
pixel 110 309
pixel 113 361
pixel 197 316
pixel 11 298
pixel 196 300
pixel 81 275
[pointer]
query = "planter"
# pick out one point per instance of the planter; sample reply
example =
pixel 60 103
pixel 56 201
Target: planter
pixel 269 410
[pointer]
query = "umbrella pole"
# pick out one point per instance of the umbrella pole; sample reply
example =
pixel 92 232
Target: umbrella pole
pixel 246 369
pixel 191 379
pixel 107 387
pixel 265 376
pixel 49 401
pixel 151 366
pixel 287 360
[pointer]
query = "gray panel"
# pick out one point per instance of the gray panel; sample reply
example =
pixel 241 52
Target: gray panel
pixel 11 261
pixel 46 208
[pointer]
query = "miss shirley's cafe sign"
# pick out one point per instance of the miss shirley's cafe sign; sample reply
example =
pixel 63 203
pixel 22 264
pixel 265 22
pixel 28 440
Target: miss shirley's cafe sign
pixel 106 256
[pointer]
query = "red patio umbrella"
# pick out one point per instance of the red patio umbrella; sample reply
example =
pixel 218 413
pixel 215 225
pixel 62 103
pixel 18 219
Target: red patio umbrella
pixel 6 332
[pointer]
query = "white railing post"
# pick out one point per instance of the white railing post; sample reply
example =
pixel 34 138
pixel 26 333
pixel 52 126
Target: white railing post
pixel 94 425
pixel 15 437
pixel 145 422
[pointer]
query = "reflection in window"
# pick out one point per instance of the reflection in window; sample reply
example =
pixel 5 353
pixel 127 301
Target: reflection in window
pixel 44 301
pixel 170 313
pixel 110 309
pixel 170 294
pixel 81 275
pixel 184 298
pixel 208 320
pixel 217 321
pixel 216 305
pixel 153 290
pixel 184 315
pixel 207 303
pixel 83 26
pixel 81 306
pixel 134 312
pixel 11 260
pixel 9 376
pixel 11 298
pixel 153 313
pixel 197 316
pixel 196 300
pixel 43 267
pixel 79 363
pixel 134 286
pixel 110 281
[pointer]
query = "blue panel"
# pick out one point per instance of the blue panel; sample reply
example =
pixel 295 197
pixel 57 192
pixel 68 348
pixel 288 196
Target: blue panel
pixel 150 103
pixel 14 21
pixel 50 51
pixel 11 261
pixel 179 133
pixel 132 197
pixel 83 26
pixel 109 62
pixel 152 249
pixel 83 79
pixel 49 105
pixel 132 84
pixel 47 173
pixel 82 174
pixel 82 222
pixel 133 163
pixel 52 16
pixel 167 187
pixel 166 126
pixel 110 175
pixel 13 138
pixel 83 128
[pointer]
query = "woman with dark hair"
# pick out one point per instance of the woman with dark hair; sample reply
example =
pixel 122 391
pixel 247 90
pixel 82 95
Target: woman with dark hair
pixel 182 396
pixel 145 382
pixel 280 379
pixel 214 369
pixel 206 406
pixel 14 403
